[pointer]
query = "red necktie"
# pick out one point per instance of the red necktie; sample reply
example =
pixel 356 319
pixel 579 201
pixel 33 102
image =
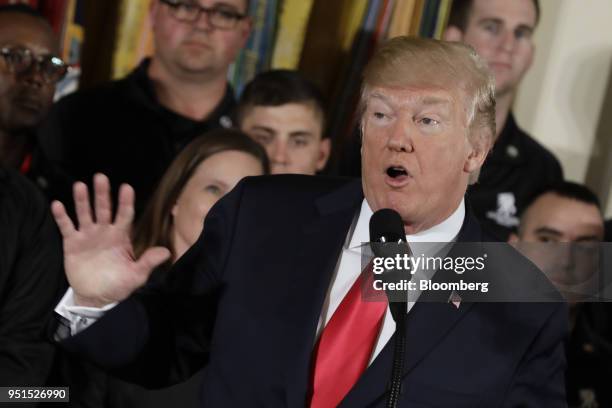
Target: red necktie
pixel 345 346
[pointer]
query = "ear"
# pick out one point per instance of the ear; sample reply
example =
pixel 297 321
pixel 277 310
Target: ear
pixel 153 11
pixel 513 238
pixel 245 27
pixel 174 210
pixel 452 33
pixel 478 151
pixel 324 151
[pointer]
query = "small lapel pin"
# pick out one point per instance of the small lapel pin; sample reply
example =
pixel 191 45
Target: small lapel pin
pixel 455 299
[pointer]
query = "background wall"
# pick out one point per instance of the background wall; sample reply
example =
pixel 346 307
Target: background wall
pixel 565 101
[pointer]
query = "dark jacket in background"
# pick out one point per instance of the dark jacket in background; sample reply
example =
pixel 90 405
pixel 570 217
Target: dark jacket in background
pixel 31 277
pixel 589 357
pixel 517 168
pixel 120 129
pixel 52 181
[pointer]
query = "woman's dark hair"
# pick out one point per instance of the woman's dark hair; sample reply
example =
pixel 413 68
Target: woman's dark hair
pixel 155 226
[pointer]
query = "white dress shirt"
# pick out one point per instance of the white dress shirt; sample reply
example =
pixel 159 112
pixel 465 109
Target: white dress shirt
pixel 349 268
pixel 347 271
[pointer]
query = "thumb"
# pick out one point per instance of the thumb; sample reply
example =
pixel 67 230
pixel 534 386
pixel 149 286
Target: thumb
pixel 152 258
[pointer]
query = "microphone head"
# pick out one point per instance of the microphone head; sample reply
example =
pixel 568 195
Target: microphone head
pixel 386 226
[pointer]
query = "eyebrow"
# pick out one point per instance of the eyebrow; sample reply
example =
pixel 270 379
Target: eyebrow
pixel 264 128
pixel 548 230
pixel 588 238
pixel 434 100
pixel 426 100
pixel 500 21
pixel 301 133
pixel 228 5
pixel 219 182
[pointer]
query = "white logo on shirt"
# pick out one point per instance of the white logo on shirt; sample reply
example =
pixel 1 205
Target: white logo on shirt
pixel 506 211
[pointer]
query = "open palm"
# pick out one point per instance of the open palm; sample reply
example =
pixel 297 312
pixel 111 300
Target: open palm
pixel 98 257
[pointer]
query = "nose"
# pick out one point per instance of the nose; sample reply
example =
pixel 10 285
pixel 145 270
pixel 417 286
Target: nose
pixel 400 139
pixel 278 153
pixel 203 21
pixel 33 76
pixel 508 42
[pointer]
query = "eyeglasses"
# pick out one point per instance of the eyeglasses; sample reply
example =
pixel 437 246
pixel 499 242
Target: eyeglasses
pixel 21 60
pixel 189 12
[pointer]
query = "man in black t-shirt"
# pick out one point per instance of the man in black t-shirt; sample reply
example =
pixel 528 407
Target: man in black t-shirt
pixel 131 129
pixel 29 69
pixel 501 33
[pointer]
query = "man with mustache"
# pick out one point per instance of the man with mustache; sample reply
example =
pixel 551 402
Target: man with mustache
pixel 29 70
pixel 131 129
pixel 269 298
pixel 501 33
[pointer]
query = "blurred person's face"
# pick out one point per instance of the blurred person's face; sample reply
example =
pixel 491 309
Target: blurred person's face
pixel 416 156
pixel 552 218
pixel 560 236
pixel 501 33
pixel 213 178
pixel 25 97
pixel 196 48
pixel 292 135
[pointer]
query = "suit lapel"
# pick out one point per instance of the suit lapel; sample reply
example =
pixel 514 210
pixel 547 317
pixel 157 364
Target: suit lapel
pixel 321 240
pixel 427 324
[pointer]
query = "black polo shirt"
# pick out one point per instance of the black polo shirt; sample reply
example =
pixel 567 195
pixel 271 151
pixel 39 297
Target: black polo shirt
pixel 517 168
pixel 121 130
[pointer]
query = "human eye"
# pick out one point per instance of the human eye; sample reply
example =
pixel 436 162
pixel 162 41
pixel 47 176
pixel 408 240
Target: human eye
pixel 213 189
pixel 428 122
pixel 300 141
pixel 492 27
pixel 262 138
pixel 17 56
pixel 546 238
pixel 226 14
pixel 522 32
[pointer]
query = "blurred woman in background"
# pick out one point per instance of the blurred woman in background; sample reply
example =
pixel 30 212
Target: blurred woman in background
pixel 208 168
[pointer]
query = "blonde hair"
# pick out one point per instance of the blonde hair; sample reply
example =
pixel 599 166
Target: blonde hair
pixel 405 61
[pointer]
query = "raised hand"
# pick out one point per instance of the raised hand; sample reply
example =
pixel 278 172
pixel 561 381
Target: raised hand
pixel 98 256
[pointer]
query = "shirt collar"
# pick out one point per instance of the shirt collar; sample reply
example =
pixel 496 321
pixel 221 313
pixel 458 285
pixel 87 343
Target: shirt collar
pixel 446 231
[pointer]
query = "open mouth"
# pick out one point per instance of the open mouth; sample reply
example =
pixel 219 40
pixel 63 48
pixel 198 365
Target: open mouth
pixel 396 172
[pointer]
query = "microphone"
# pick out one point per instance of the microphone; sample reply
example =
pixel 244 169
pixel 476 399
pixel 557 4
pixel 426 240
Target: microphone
pixel 388 239
pixel 386 226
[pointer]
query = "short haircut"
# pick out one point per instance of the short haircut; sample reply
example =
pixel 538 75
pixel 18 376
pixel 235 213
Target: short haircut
pixel 461 9
pixel 22 9
pixel 405 61
pixel 155 226
pixel 568 189
pixel 280 87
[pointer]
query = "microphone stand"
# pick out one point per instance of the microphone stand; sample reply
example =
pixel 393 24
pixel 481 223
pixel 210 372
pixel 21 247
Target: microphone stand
pixel 398 311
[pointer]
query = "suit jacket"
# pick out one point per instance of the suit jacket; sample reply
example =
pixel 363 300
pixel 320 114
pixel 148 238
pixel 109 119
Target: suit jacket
pixel 31 279
pixel 245 301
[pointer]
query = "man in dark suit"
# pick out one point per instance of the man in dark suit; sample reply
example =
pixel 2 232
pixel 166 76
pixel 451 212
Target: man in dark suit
pixel 259 297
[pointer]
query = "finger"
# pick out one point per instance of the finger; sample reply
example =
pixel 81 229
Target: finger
pixel 151 258
pixel 125 209
pixel 63 221
pixel 102 199
pixel 81 203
